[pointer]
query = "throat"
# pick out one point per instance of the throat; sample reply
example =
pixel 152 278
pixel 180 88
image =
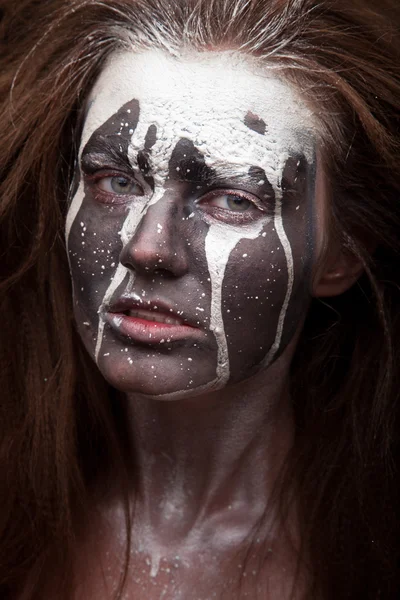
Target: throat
pixel 204 479
pixel 207 465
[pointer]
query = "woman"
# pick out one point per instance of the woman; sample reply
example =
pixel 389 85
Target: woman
pixel 214 414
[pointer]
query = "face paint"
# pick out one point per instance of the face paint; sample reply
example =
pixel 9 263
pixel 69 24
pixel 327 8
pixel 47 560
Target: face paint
pixel 219 245
pixel 218 227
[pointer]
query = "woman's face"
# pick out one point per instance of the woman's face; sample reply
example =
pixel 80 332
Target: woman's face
pixel 191 230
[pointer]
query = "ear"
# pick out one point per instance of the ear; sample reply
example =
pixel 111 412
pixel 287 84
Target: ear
pixel 339 272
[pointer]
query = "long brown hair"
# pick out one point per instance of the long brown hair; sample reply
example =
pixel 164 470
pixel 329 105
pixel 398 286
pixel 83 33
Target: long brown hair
pixel 57 423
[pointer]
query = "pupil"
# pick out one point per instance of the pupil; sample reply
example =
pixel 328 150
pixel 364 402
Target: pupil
pixel 237 203
pixel 119 184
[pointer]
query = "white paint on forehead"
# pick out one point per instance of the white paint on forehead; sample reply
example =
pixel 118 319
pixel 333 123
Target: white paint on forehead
pixel 204 98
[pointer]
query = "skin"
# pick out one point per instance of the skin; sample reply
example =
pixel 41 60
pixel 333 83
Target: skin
pixel 196 192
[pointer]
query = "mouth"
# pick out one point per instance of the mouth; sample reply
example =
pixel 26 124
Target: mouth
pixel 152 316
pixel 158 324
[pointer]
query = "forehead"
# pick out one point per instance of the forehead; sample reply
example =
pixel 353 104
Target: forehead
pixel 222 101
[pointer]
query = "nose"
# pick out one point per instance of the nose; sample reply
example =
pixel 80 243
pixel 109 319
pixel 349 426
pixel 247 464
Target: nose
pixel 159 243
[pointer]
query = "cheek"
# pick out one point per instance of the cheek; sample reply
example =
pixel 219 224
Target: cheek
pixel 254 289
pixel 266 293
pixel 94 247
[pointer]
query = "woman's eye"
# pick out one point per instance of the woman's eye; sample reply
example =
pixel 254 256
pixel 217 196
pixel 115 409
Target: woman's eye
pixel 231 206
pixel 231 202
pixel 120 185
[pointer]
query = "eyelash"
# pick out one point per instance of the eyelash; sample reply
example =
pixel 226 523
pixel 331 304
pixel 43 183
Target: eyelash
pixel 105 197
pixel 230 216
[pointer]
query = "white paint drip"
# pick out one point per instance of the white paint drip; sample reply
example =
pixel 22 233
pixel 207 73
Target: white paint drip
pixel 116 281
pixel 128 229
pixel 74 209
pixel 155 562
pixel 220 242
pixel 278 222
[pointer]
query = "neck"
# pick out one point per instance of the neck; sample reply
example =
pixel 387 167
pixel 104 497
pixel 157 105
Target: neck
pixel 210 463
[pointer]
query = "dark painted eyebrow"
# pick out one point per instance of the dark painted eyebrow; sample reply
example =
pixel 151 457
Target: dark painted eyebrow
pixel 111 151
pixel 196 171
pixel 103 150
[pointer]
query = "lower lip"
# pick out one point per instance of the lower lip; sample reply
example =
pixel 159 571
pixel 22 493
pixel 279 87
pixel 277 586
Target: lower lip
pixel 149 332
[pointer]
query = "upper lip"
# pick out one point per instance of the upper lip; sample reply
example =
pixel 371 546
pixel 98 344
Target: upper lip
pixel 125 304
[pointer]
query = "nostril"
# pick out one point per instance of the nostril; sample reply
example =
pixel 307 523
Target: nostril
pixel 164 273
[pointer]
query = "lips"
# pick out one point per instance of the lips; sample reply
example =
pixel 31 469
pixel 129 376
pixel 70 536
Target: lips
pixel 157 323
pixel 153 316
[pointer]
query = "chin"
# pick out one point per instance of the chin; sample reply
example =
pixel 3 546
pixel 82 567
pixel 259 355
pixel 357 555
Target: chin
pixel 163 380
